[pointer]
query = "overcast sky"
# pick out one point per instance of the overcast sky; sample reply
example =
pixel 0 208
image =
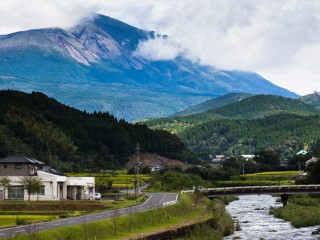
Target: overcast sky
pixel 278 39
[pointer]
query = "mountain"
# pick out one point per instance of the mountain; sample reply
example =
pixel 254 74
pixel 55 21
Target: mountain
pixel 213 103
pixel 96 65
pixel 260 121
pixel 312 99
pixel 37 126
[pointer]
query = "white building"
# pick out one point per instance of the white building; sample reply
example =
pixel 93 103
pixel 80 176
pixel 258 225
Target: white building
pixel 55 186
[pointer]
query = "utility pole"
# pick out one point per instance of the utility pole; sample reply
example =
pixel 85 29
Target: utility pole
pixel 243 168
pixel 136 169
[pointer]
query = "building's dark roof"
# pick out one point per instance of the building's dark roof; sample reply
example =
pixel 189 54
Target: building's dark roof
pixel 20 159
pixel 52 171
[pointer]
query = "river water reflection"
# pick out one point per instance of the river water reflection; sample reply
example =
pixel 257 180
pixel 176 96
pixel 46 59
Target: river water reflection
pixel 252 212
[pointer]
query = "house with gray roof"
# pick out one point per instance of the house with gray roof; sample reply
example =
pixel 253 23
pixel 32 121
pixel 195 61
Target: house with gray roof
pixel 55 185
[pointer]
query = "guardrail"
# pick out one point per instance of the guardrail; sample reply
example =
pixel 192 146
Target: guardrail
pixel 169 203
pixel 257 189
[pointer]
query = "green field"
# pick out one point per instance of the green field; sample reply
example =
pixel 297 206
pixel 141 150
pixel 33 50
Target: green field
pixel 39 211
pixel 118 180
pixel 263 178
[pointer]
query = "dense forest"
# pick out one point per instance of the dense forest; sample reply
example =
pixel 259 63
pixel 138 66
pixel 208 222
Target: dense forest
pixel 213 103
pixel 37 126
pixel 284 133
pixel 243 127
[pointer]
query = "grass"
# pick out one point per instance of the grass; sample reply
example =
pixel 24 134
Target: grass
pixel 284 176
pixel 11 220
pixel 282 173
pixel 263 178
pixel 251 183
pixel 190 209
pixel 38 211
pixel 302 211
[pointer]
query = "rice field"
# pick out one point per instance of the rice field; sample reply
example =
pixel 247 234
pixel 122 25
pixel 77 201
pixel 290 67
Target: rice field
pixel 118 180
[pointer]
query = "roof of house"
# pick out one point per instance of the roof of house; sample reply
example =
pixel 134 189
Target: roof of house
pixel 20 159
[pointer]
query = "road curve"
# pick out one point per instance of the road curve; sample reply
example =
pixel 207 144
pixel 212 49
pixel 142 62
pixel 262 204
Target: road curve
pixel 154 200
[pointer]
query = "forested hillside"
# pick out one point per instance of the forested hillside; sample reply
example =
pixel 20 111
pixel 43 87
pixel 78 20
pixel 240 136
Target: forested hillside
pixel 284 133
pixel 214 103
pixel 37 126
pixel 261 121
pixel 258 106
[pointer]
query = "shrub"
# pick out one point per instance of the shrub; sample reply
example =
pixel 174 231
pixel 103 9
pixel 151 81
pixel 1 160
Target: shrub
pixel 20 221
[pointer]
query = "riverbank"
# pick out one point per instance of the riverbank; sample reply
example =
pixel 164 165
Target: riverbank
pixel 302 210
pixel 255 221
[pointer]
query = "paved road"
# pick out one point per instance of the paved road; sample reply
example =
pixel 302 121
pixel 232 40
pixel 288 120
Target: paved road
pixel 154 200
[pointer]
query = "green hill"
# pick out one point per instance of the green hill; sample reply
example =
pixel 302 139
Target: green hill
pixel 214 103
pixel 257 106
pixel 260 106
pixel 284 133
pixel 260 121
pixel 40 127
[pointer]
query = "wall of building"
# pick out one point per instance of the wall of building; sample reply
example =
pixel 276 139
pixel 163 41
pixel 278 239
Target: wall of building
pixel 12 170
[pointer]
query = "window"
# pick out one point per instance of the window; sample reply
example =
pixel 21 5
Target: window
pixel 16 192
pixel 18 166
pixel 5 166
pixel 42 191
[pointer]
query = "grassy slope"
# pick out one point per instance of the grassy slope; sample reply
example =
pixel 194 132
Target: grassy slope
pixel 189 210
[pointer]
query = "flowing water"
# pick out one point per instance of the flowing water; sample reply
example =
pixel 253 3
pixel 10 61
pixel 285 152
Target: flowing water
pixel 252 212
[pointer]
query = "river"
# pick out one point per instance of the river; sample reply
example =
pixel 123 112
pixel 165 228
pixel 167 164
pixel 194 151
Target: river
pixel 252 212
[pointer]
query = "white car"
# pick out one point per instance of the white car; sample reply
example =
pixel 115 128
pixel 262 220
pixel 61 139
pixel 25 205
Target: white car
pixel 97 196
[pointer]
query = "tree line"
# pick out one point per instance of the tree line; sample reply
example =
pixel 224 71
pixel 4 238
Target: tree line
pixel 40 127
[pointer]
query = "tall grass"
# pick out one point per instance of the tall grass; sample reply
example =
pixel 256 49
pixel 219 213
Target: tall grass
pixel 302 211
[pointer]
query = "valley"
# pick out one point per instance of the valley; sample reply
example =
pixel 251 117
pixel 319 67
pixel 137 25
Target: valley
pixel 110 131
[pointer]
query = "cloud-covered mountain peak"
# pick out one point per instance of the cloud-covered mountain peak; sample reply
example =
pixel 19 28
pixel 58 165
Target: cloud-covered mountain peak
pixel 107 65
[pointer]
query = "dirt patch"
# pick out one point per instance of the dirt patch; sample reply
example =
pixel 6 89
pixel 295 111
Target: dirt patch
pixel 150 158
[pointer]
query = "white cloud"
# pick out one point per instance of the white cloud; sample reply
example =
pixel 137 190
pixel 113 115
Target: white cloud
pixel 159 48
pixel 276 38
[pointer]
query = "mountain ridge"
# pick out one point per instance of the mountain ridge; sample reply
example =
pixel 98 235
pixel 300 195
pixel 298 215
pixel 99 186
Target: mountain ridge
pixel 213 103
pixel 94 66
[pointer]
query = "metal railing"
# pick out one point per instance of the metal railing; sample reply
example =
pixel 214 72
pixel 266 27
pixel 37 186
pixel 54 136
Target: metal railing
pixel 257 189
